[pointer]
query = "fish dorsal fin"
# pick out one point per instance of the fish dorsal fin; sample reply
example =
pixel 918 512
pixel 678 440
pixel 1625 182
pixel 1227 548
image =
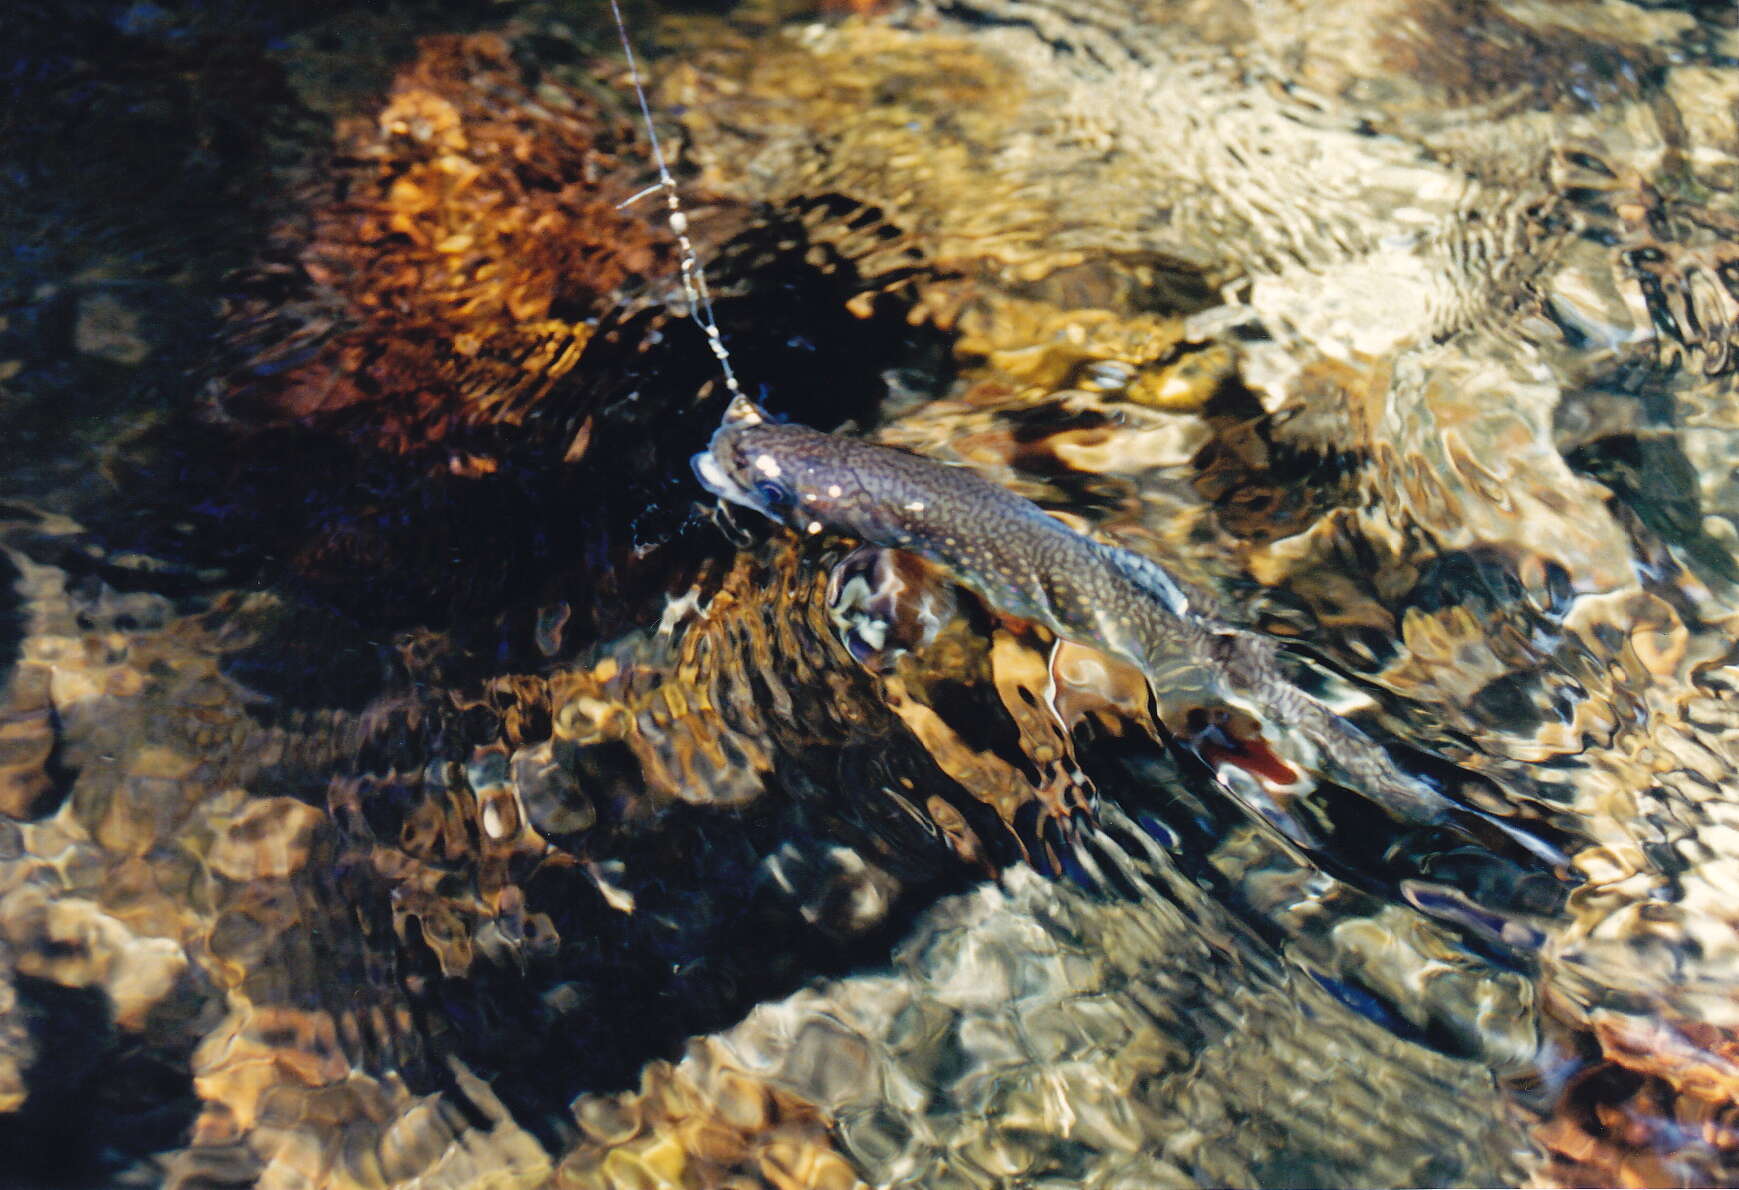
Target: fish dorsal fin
pixel 1150 576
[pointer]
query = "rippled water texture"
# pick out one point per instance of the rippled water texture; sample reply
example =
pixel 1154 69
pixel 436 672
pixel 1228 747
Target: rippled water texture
pixel 408 778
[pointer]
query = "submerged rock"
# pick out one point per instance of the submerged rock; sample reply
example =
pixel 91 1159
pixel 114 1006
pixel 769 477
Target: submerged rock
pixel 402 782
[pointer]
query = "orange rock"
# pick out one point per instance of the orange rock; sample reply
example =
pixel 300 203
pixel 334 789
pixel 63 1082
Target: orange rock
pixel 469 244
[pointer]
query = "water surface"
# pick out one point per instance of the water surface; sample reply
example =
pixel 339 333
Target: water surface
pixel 406 778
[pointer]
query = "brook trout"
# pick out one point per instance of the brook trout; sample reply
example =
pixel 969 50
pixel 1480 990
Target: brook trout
pixel 1028 563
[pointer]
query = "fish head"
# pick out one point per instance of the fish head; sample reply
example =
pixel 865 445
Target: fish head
pixel 787 473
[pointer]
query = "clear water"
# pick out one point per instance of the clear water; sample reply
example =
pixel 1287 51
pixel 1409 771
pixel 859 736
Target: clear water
pixel 406 779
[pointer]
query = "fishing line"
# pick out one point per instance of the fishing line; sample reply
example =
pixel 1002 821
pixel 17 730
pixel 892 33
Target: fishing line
pixel 694 286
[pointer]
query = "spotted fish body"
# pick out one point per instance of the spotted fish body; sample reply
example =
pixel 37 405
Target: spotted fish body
pixel 1031 565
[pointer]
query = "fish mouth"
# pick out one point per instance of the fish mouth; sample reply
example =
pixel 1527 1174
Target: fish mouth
pixel 713 478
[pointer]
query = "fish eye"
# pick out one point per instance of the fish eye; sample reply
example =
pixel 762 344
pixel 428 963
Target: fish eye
pixel 773 494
